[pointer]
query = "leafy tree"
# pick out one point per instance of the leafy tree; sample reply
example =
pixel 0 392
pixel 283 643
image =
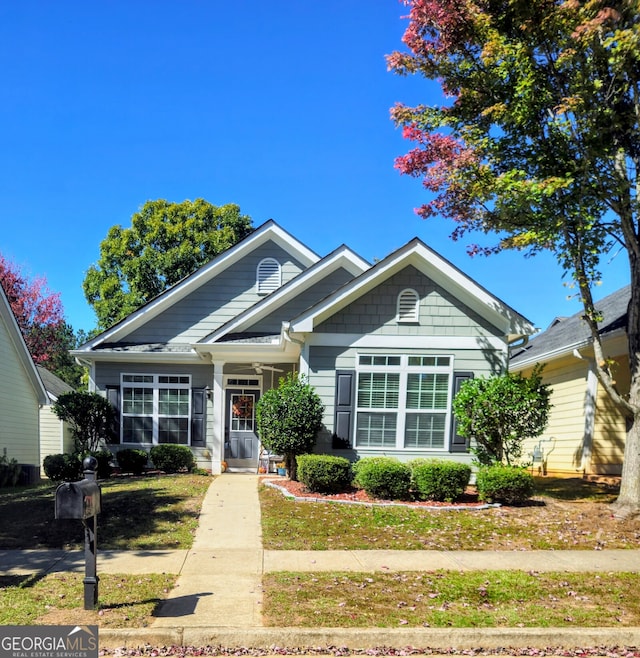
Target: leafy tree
pixel 288 419
pixel 40 317
pixel 537 142
pixel 90 416
pixel 500 412
pixel 165 242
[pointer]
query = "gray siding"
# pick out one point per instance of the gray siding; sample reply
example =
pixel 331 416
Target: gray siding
pixel 441 314
pixel 273 323
pixel 215 302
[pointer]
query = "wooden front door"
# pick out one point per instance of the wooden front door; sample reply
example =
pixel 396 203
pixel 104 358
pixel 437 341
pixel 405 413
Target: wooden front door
pixel 241 440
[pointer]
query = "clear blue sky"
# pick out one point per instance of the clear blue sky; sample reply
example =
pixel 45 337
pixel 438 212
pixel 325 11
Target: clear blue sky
pixel 281 107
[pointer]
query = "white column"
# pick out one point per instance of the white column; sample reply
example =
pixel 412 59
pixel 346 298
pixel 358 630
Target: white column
pixel 217 451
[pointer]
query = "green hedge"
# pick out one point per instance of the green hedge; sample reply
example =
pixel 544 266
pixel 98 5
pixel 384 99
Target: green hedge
pixel 439 479
pixel 63 467
pixel 510 485
pixel 132 460
pixel 324 473
pixel 383 477
pixel 172 458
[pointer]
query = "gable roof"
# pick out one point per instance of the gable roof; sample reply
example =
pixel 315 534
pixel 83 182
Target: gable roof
pixel 342 257
pixel 565 335
pixel 269 231
pixel 54 386
pixel 439 270
pixel 22 351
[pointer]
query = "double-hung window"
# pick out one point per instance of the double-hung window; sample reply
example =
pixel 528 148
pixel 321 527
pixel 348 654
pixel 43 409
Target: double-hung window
pixel 156 408
pixel 403 401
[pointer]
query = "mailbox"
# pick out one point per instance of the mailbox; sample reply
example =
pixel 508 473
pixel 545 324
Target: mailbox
pixel 77 500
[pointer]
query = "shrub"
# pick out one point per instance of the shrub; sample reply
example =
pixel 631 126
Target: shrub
pixel 63 466
pixel 132 460
pixel 324 473
pixel 171 457
pixel 439 479
pixel 104 457
pixel 511 485
pixel 383 477
pixel 10 472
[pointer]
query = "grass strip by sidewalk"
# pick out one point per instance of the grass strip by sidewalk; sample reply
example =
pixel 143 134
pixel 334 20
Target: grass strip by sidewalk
pixel 124 600
pixel 507 599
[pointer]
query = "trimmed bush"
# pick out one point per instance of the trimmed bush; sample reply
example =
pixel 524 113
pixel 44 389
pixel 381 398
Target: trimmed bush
pixel 324 473
pixel 383 477
pixel 132 460
pixel 172 457
pixel 511 485
pixel 104 457
pixel 439 479
pixel 63 467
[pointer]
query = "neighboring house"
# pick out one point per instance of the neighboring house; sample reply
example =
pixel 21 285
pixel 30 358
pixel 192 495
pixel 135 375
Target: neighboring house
pixel 586 431
pixel 385 346
pixel 21 395
pixel 55 435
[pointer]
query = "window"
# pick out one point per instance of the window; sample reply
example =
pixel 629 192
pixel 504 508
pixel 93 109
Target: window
pixel 403 401
pixel 408 301
pixel 269 276
pixel 156 408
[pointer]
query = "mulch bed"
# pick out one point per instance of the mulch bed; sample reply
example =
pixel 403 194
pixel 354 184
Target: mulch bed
pixel 298 490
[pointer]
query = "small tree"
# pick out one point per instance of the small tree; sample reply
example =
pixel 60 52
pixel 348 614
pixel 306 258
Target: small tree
pixel 90 416
pixel 500 412
pixel 288 419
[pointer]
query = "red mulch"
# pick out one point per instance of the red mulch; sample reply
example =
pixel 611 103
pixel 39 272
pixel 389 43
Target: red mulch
pixel 297 489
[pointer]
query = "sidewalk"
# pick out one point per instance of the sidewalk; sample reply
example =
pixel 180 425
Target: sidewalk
pixel 217 598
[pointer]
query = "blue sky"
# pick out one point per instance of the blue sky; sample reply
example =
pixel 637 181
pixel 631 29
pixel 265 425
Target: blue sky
pixel 281 107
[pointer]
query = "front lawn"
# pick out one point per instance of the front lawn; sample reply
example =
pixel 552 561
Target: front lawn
pixel 147 512
pixel 565 514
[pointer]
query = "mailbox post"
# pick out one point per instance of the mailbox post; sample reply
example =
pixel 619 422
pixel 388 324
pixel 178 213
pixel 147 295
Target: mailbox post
pixel 82 500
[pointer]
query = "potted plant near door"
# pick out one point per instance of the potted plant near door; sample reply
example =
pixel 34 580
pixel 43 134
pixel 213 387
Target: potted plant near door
pixel 281 468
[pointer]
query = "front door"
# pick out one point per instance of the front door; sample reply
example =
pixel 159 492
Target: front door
pixel 241 440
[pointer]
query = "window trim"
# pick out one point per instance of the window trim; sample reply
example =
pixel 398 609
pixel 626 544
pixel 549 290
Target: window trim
pixel 404 369
pixel 155 383
pixel 268 276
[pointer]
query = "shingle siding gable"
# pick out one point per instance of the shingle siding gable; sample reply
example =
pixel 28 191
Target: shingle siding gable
pixel 440 314
pixel 215 302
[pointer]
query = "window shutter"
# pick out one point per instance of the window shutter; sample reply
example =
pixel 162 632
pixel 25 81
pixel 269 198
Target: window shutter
pixel 458 443
pixel 269 276
pixel 408 306
pixel 198 410
pixel 343 417
pixel 113 396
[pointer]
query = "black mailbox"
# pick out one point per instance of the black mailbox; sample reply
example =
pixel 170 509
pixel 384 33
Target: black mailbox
pixel 77 500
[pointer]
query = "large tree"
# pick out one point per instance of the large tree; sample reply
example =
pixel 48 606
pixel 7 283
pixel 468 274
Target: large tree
pixel 40 316
pixel 165 242
pixel 536 140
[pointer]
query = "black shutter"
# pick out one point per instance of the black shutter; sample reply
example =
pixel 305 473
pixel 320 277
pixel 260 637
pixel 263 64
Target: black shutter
pixel 198 409
pixel 113 396
pixel 344 408
pixel 458 443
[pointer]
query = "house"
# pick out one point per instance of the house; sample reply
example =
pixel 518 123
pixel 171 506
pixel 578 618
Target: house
pixel 385 346
pixel 586 431
pixel 55 435
pixel 21 395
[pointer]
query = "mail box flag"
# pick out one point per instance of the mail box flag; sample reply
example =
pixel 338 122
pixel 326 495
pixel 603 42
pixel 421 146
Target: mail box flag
pixel 48 642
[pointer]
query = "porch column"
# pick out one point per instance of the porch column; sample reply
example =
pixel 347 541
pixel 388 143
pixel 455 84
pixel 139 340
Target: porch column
pixel 217 452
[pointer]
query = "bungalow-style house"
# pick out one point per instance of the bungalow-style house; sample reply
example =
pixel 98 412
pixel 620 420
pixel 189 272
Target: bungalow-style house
pixel 586 431
pixel 385 346
pixel 21 395
pixel 55 435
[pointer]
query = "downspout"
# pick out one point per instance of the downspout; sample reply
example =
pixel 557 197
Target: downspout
pixel 304 348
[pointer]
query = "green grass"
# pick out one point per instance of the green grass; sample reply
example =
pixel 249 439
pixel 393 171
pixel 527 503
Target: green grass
pixel 451 599
pixel 150 512
pixel 124 600
pixel 566 514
